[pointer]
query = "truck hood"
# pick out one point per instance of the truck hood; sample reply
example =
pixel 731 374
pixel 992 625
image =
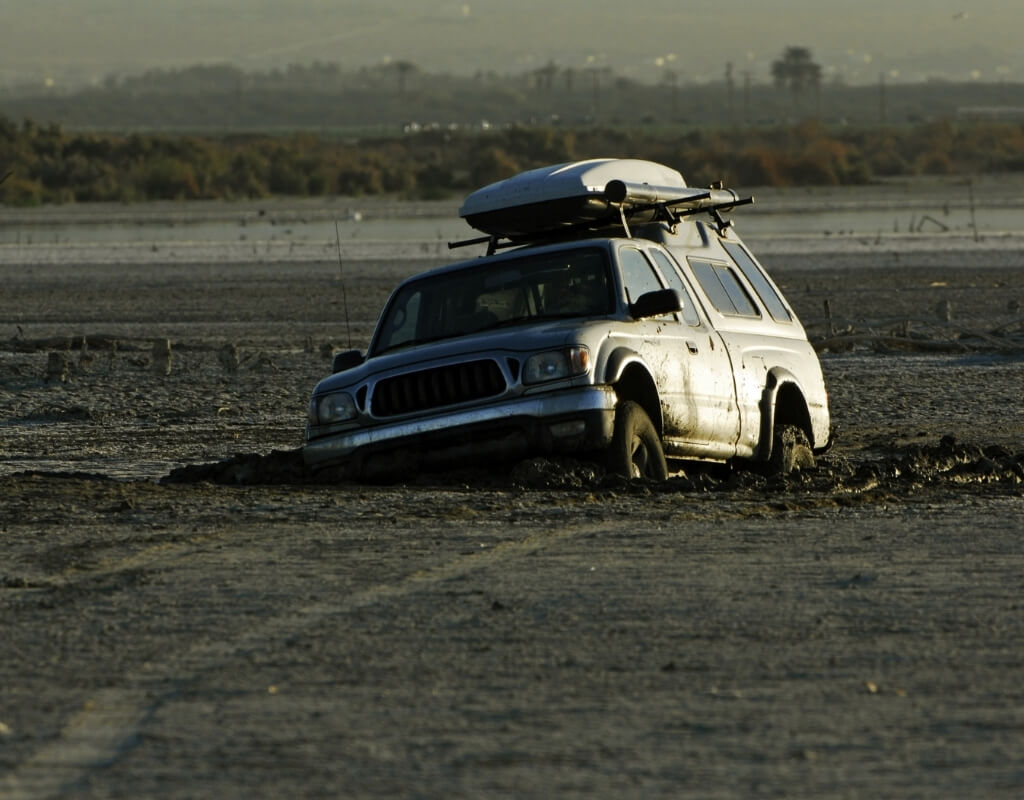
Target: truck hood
pixel 521 341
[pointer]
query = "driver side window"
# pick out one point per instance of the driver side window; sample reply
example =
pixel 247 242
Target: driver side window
pixel 638 275
pixel 670 274
pixel 404 320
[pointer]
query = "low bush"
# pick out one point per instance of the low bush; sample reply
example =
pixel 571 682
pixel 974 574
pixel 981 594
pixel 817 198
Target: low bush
pixel 51 165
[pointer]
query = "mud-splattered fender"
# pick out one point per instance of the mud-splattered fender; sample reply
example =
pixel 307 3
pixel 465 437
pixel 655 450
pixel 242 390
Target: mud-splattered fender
pixel 776 382
pixel 617 361
pixel 626 369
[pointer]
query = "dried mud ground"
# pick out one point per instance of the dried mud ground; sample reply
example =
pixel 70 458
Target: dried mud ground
pixel 185 613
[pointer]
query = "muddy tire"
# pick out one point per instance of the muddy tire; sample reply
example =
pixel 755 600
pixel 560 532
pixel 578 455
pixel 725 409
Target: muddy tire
pixel 635 450
pixel 791 451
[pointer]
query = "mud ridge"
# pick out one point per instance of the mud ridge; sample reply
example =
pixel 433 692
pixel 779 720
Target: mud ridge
pixel 900 472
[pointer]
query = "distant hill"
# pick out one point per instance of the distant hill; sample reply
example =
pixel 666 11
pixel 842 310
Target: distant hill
pixel 397 97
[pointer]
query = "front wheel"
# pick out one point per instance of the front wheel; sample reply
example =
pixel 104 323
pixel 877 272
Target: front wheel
pixel 635 450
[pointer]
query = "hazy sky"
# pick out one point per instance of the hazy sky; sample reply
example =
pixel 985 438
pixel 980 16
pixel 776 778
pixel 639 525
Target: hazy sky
pixel 857 39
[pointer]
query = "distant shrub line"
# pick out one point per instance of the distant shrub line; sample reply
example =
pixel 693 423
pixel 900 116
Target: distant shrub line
pixel 50 165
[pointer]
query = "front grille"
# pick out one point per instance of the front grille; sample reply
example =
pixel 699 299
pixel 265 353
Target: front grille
pixel 434 388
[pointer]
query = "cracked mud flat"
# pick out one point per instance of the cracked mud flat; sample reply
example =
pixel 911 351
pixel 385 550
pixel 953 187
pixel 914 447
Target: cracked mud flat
pixel 187 613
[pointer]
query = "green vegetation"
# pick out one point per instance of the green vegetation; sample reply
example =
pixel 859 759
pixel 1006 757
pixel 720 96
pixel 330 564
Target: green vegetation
pixel 218 132
pixel 51 165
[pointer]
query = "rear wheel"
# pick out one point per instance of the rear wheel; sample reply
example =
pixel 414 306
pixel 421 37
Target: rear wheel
pixel 635 450
pixel 791 451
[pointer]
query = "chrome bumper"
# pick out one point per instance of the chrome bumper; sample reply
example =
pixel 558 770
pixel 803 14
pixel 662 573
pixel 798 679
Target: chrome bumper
pixel 543 422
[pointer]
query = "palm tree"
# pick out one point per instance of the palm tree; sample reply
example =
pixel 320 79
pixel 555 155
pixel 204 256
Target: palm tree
pixel 404 69
pixel 796 70
pixel 671 79
pixel 545 76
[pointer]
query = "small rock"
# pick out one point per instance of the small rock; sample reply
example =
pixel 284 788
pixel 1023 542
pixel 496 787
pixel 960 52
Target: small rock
pixel 85 358
pixel 57 367
pixel 162 356
pixel 860 579
pixel 228 357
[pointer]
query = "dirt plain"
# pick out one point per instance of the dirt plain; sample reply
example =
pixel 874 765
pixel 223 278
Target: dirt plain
pixel 187 613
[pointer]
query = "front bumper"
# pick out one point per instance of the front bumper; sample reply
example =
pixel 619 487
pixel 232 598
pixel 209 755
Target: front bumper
pixel 570 420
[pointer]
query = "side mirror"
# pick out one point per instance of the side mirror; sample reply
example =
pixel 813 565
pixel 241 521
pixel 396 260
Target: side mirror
pixel 347 359
pixel 656 304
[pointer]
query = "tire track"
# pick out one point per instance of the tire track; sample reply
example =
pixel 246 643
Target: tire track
pixel 110 724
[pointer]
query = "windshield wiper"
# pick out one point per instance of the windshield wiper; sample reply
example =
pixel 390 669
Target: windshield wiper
pixel 567 314
pixel 504 323
pixel 415 342
pixel 507 323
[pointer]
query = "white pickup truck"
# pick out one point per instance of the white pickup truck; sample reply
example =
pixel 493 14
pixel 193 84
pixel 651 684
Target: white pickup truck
pixel 616 315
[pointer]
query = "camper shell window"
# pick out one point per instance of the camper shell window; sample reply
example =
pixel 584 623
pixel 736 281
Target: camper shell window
pixel 753 272
pixel 723 288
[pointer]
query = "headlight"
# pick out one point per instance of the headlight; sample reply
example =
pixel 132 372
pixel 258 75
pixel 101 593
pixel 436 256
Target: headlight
pixel 556 364
pixel 333 407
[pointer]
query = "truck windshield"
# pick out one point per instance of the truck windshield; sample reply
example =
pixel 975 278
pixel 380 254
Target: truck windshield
pixel 569 283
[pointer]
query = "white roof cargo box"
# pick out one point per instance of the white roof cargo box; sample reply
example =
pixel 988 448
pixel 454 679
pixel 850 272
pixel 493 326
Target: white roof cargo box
pixel 582 192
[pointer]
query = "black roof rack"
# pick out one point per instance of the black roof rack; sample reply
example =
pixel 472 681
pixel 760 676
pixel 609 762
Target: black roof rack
pixel 671 212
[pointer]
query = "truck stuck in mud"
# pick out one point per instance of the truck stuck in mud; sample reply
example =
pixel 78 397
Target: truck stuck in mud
pixel 616 315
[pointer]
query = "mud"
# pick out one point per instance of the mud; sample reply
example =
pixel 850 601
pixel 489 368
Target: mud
pixel 908 471
pixel 189 612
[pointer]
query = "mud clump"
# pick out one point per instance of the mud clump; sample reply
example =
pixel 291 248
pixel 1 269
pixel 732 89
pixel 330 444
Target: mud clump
pixel 249 469
pixel 556 473
pixel 960 463
pixel 908 470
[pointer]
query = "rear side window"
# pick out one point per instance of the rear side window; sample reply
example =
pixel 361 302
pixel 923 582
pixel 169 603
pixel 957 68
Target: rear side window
pixel 757 279
pixel 723 288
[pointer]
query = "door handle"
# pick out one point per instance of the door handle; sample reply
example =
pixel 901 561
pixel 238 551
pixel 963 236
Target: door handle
pixel 692 347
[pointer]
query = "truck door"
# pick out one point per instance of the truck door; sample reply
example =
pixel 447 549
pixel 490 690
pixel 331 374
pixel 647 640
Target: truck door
pixel 691 366
pixel 710 367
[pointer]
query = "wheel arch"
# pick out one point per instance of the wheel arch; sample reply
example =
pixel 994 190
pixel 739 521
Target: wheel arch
pixel 629 376
pixel 782 403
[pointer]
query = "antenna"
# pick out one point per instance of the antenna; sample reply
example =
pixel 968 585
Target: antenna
pixel 344 294
pixel 6 176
